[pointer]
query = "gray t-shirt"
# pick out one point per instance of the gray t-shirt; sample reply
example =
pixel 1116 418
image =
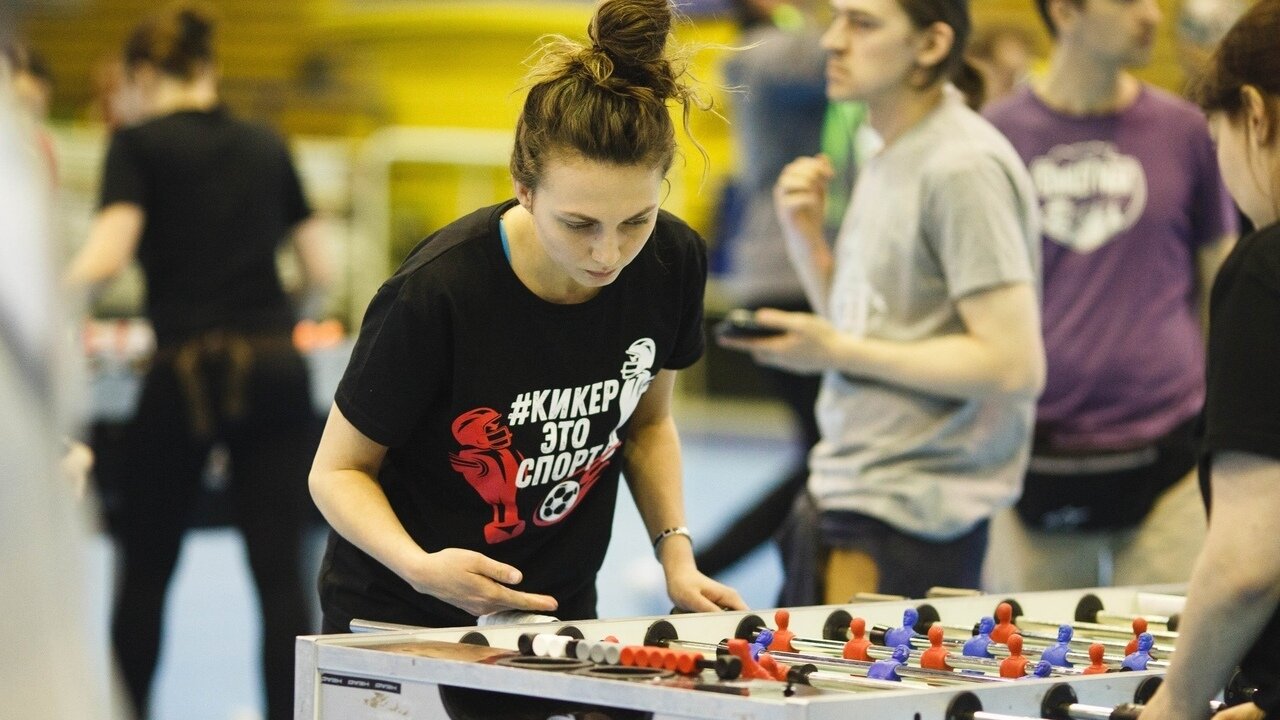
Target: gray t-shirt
pixel 945 211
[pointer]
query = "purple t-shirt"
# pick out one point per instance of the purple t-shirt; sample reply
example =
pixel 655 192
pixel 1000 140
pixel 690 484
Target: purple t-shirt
pixel 1127 200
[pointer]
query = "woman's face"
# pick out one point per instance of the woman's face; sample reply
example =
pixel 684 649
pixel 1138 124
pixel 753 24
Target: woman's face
pixel 1249 169
pixel 872 48
pixel 590 218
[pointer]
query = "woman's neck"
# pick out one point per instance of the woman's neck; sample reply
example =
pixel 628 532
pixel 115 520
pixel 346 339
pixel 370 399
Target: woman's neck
pixel 173 95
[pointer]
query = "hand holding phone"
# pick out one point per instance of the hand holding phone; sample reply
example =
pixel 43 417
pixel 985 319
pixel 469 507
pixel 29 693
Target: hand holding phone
pixel 742 323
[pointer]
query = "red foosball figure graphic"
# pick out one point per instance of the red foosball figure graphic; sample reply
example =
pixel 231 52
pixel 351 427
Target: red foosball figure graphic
pixel 488 465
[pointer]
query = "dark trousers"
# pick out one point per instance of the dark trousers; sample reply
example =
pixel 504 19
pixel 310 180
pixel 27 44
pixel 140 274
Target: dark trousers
pixel 905 564
pixel 258 406
pixel 909 565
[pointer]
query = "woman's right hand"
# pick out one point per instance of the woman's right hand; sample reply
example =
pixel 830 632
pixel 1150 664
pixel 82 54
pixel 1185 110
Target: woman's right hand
pixel 800 196
pixel 473 582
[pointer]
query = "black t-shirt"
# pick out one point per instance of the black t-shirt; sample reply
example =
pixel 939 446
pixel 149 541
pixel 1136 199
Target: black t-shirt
pixel 1242 404
pixel 220 195
pixel 503 413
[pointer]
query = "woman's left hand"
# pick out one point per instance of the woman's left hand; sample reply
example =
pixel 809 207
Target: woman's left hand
pixel 690 590
pixel 805 348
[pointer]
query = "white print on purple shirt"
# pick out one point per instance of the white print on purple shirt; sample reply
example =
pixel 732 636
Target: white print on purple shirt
pixel 1089 193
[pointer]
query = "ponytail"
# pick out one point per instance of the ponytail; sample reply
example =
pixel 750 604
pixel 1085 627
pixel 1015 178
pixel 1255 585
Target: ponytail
pixel 970 82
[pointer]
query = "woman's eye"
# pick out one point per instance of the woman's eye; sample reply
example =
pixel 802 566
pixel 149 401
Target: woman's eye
pixel 578 226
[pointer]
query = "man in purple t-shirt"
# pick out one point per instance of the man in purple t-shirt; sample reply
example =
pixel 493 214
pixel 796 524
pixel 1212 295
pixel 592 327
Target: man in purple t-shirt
pixel 1135 220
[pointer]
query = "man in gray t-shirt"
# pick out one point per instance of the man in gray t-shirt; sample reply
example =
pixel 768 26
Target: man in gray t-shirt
pixel 942 214
pixel 927 327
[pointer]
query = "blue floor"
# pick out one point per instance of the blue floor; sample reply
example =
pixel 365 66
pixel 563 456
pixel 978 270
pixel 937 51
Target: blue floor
pixel 209 659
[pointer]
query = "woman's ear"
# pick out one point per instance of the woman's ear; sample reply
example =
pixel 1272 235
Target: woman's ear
pixel 524 194
pixel 1258 115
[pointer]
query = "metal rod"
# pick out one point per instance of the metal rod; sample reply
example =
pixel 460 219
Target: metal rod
pixel 367 626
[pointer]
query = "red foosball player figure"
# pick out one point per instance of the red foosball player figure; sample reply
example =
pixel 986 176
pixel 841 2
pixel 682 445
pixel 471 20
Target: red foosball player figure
pixel 1004 623
pixel 856 647
pixel 1014 666
pixel 1096 665
pixel 935 658
pixel 751 669
pixel 775 669
pixel 782 636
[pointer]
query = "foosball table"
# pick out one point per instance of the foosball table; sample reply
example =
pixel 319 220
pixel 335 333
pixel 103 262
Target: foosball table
pixel 1084 654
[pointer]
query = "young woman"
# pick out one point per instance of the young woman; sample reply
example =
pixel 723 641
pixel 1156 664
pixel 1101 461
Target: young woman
pixel 1231 615
pixel 523 356
pixel 203 200
pixel 927 329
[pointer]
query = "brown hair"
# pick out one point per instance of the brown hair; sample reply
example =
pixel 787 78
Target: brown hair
pixel 1246 56
pixel 608 100
pixel 954 13
pixel 177 41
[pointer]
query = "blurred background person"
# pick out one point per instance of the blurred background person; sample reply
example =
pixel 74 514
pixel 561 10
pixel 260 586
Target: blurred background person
pixel 778 112
pixel 1200 27
pixel 1004 53
pixel 203 200
pixel 52 670
pixel 1136 221
pixel 31 86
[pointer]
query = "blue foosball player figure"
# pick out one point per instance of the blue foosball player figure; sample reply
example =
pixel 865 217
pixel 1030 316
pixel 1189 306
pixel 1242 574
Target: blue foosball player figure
pixel 1057 654
pixel 977 645
pixel 1138 659
pixel 887 669
pixel 903 635
pixel 761 643
pixel 1042 669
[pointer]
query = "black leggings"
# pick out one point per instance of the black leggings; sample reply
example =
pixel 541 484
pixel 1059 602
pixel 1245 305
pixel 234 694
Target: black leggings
pixel 265 420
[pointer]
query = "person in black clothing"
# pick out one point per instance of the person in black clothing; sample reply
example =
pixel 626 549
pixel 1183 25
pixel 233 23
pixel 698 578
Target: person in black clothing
pixel 203 200
pixel 520 358
pixel 1232 613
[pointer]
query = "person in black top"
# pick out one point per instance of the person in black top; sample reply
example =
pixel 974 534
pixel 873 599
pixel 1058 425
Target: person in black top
pixel 520 358
pixel 203 200
pixel 1232 613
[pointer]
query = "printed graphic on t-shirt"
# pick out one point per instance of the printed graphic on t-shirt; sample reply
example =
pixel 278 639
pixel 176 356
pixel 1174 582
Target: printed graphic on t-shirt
pixel 853 306
pixel 498 472
pixel 1089 193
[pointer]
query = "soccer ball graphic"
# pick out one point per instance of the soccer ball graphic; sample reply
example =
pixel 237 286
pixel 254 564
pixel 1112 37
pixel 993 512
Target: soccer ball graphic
pixel 559 501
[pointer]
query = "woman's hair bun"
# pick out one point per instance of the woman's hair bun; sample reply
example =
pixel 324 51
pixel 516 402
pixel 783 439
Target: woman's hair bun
pixel 195 30
pixel 607 100
pixel 632 32
pixel 175 40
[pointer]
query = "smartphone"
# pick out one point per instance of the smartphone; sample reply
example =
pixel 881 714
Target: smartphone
pixel 742 324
